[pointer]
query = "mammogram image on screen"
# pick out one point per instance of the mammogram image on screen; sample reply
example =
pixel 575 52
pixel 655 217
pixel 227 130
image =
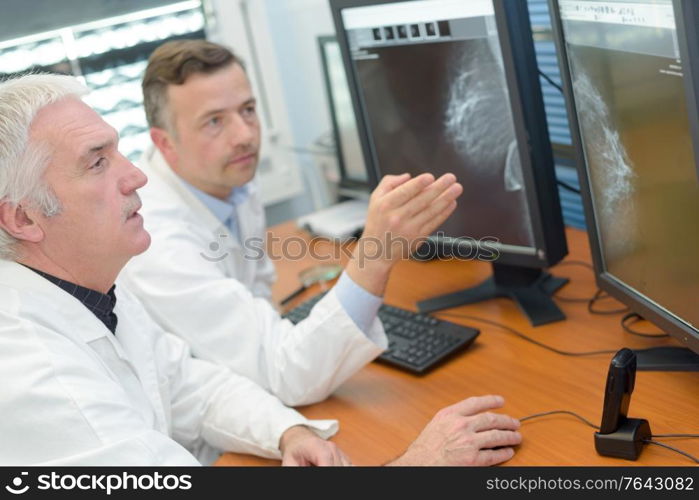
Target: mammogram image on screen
pixel 636 138
pixel 444 107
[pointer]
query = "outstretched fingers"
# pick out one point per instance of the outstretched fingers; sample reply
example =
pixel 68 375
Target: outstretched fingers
pixel 404 191
pixel 430 194
pixel 390 182
pixel 433 215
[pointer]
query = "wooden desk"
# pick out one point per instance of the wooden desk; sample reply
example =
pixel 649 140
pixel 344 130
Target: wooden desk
pixel 381 409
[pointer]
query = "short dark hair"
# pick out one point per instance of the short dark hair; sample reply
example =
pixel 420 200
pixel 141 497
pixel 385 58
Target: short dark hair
pixel 173 63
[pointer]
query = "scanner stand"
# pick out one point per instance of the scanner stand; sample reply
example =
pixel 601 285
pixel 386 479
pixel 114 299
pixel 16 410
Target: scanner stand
pixel 626 442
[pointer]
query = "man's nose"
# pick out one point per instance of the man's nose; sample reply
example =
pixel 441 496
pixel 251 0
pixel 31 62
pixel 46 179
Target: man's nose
pixel 133 179
pixel 242 131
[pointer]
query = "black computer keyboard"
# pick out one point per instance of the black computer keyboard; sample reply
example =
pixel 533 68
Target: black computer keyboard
pixel 416 342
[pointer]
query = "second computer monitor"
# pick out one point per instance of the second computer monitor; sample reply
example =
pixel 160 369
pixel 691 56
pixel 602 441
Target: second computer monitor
pixel 353 172
pixel 452 86
pixel 631 120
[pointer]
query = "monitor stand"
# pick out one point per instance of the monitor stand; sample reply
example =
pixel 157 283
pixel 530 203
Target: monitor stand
pixel 530 288
pixel 667 359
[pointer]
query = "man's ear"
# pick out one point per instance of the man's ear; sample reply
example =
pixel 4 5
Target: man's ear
pixel 163 141
pixel 15 221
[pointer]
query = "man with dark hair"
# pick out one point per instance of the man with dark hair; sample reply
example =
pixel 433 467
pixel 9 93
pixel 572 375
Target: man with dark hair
pixel 206 276
pixel 171 64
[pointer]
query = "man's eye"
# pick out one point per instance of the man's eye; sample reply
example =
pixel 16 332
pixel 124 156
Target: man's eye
pixel 101 163
pixel 214 121
pixel 249 111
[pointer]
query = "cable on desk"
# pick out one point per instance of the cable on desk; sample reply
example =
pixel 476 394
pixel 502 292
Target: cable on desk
pixel 590 301
pixel 626 325
pixel 685 436
pixel 573 262
pixel 525 337
pixel 590 424
pixel 647 441
pixel 580 263
pixel 599 296
pixel 581 300
pixel 556 412
pixel 672 448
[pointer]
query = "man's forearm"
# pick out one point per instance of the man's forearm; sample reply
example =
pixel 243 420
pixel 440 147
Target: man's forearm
pixel 370 275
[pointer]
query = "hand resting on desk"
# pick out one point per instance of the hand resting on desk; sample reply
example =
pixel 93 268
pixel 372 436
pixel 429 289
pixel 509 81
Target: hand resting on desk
pixel 465 433
pixel 300 447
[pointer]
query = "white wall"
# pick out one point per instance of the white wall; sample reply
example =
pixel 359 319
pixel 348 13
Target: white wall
pixel 293 27
pixel 288 77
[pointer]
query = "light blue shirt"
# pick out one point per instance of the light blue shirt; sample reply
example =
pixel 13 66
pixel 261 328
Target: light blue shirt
pixel 225 211
pixel 360 305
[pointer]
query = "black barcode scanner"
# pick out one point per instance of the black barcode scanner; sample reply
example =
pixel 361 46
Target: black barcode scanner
pixel 620 436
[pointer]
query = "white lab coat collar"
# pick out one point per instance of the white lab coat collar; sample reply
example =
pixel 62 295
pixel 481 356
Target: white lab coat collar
pixel 158 171
pixel 174 193
pixel 87 326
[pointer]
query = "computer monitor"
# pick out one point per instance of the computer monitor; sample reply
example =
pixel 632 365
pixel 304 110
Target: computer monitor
pixel 626 89
pixel 354 176
pixel 452 86
pixel 687 19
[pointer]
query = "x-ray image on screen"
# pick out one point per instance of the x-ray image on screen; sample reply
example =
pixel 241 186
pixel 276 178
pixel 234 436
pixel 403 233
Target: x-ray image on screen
pixel 613 174
pixel 458 91
pixel 441 105
pixel 630 101
pixel 477 116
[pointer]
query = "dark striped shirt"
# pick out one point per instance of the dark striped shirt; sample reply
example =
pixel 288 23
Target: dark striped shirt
pixel 99 304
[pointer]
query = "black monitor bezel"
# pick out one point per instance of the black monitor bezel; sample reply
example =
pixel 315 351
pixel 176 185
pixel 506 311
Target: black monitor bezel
pixel 687 22
pixel 531 128
pixel 605 280
pixel 345 180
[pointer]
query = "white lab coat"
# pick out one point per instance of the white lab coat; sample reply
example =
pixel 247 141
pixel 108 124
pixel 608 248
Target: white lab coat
pixel 169 200
pixel 72 393
pixel 209 303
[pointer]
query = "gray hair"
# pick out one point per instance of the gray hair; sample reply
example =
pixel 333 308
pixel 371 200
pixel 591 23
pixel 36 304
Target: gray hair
pixel 22 163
